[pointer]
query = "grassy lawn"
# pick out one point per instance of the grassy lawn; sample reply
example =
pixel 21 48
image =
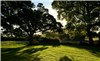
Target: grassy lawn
pixel 18 51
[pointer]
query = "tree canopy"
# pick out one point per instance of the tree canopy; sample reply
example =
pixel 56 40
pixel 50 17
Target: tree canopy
pixel 80 15
pixel 27 17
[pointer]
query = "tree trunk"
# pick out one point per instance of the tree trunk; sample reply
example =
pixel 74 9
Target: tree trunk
pixel 99 39
pixel 89 33
pixel 30 39
pixel 88 18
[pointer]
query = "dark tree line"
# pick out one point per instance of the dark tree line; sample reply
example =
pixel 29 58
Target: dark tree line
pixel 28 18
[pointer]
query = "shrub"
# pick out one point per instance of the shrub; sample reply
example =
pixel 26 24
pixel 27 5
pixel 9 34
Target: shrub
pixel 49 41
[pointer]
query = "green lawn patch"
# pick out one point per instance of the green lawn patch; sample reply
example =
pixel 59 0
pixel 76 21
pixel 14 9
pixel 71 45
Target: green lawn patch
pixel 19 51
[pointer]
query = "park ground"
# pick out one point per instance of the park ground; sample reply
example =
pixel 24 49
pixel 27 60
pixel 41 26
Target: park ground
pixel 19 51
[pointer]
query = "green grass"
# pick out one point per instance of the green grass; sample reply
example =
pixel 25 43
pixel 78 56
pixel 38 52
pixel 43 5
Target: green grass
pixel 16 51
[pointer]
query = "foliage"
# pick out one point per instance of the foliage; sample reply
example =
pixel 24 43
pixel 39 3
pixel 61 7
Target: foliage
pixel 13 38
pixel 80 15
pixel 27 17
pixel 76 35
pixel 53 35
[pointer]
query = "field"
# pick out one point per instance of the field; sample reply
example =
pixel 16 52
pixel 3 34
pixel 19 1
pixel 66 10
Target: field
pixel 19 51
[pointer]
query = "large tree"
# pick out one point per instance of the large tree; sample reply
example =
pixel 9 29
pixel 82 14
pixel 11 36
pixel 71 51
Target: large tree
pixel 27 17
pixel 80 15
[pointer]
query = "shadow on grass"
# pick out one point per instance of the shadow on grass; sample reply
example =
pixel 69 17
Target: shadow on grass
pixel 92 49
pixel 54 45
pixel 14 54
pixel 65 58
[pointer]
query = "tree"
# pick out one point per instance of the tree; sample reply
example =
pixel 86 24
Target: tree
pixel 27 17
pixel 79 15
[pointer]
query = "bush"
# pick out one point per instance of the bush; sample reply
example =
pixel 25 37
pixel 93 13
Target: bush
pixel 49 41
pixel 12 39
pixel 76 35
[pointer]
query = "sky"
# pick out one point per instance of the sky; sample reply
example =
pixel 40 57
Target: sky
pixel 47 4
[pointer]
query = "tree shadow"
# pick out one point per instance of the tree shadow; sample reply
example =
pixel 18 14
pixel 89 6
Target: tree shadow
pixel 14 54
pixel 92 49
pixel 65 58
pixel 54 45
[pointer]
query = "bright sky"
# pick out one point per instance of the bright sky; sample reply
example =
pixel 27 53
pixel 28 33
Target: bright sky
pixel 47 4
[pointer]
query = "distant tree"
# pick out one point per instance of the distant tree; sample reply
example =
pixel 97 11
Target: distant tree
pixel 29 18
pixel 80 15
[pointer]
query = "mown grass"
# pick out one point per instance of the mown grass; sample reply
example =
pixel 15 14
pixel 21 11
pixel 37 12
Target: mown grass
pixel 19 51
